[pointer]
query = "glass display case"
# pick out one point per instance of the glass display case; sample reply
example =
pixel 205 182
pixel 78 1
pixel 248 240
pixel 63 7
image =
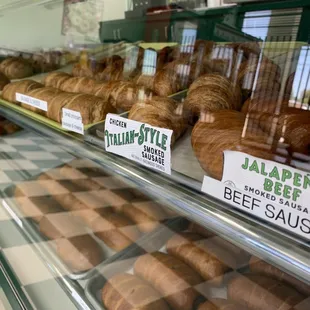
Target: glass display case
pixel 155 155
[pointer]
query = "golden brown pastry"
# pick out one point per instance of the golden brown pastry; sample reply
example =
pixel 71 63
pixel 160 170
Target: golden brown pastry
pixel 259 75
pixel 9 127
pixel 82 85
pixel 172 278
pixel 4 80
pixel 56 79
pixel 260 267
pixel 184 246
pixel 37 207
pixel 46 94
pixel 261 293
pixel 220 131
pixel 103 90
pixel 90 69
pixel 125 94
pixel 86 183
pixel 93 109
pixel 166 82
pixel 145 80
pixel 113 71
pixel 59 101
pixel 128 292
pixel 212 92
pixel 147 215
pixel 220 304
pixel 195 228
pixel 16 68
pixel 160 112
pixel 80 253
pixel 117 231
pixel 22 87
pixel 293 126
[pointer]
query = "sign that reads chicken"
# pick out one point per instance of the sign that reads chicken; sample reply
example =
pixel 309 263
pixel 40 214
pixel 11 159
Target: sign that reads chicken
pixel 145 144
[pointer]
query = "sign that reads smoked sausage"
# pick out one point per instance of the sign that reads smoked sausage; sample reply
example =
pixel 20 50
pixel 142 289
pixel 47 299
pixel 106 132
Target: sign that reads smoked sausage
pixel 272 191
pixel 145 144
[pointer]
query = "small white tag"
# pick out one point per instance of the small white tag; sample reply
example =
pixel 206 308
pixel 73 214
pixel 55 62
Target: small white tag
pixel 73 115
pixel 282 216
pixel 72 121
pixel 72 126
pixel 36 103
pixel 150 146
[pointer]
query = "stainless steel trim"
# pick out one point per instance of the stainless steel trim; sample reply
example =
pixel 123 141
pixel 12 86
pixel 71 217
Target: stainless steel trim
pixel 283 251
pixel 13 289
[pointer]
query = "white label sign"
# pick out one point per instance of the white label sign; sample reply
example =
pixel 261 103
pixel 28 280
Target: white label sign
pixel 269 190
pixel 276 182
pixel 145 144
pixel 282 216
pixel 72 121
pixel 72 115
pixel 36 103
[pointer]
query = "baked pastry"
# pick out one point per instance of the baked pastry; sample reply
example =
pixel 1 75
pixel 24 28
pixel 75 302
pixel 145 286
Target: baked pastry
pixel 146 215
pixel 82 85
pixel 124 95
pixel 261 267
pixel 248 49
pixel 259 75
pixel 80 253
pixel 56 79
pixel 220 304
pixel 22 87
pixel 93 109
pixel 16 68
pixel 128 292
pixel 200 230
pixel 146 80
pixel 117 231
pixel 223 130
pixel 4 80
pixel 171 277
pixel 45 94
pixel 184 246
pixel 160 112
pixel 260 292
pixel 213 92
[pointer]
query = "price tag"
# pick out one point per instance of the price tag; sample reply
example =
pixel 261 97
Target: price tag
pixel 36 103
pixel 72 121
pixel 271 191
pixel 142 143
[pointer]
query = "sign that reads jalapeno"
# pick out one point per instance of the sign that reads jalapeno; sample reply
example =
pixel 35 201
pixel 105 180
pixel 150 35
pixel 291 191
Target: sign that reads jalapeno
pixel 145 144
pixel 276 182
pixel 272 191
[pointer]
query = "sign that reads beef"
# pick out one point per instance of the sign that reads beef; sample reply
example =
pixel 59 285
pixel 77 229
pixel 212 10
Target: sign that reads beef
pixel 272 191
pixel 145 144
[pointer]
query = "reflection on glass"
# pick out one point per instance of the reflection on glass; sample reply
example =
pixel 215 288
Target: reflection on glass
pixel 149 62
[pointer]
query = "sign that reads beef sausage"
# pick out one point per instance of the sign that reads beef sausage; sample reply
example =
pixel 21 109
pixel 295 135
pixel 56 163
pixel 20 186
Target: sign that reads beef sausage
pixel 272 191
pixel 145 144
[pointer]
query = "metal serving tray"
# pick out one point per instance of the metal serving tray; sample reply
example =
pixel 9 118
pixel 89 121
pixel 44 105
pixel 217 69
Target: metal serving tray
pixel 124 262
pixel 157 242
pixel 30 229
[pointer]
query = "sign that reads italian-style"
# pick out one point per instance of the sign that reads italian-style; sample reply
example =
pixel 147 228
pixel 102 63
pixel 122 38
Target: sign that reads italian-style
pixel 145 144
pixel 272 191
